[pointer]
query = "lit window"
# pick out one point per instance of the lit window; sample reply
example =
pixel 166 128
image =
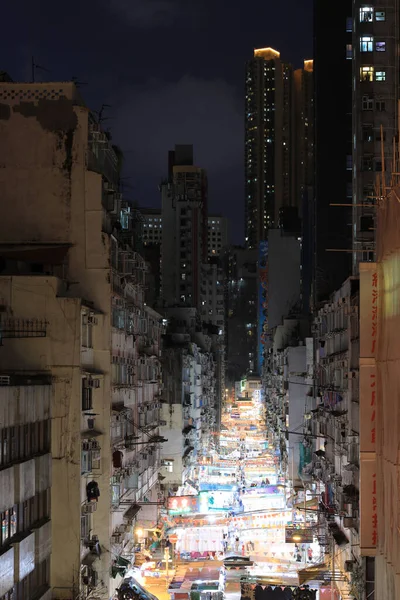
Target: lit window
pixel 380 46
pixel 366 43
pixel 366 14
pixel 349 25
pixel 367 73
pixel 349 51
pixel 380 76
pixel 380 15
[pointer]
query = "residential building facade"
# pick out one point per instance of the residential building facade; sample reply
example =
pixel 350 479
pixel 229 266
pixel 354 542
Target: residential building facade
pixel 70 260
pixel 184 216
pixel 269 180
pixel 190 399
pixel 375 114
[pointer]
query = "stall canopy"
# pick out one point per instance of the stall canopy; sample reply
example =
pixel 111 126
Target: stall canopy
pixel 132 512
pixel 317 572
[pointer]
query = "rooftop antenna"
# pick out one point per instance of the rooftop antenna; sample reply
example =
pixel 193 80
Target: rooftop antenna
pixel 76 81
pixel 100 113
pixel 34 66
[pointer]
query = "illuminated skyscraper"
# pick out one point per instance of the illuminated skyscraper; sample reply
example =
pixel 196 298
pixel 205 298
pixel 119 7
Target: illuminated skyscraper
pixel 269 151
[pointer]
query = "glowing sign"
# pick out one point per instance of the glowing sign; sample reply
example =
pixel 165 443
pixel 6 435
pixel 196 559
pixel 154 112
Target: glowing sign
pixel 181 505
pixel 215 501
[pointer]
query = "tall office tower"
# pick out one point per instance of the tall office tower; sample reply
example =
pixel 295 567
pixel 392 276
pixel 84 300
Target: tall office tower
pixel 333 146
pixel 375 113
pixel 269 178
pixel 184 217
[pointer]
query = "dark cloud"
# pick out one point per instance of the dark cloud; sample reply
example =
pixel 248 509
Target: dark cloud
pixel 195 50
pixel 150 119
pixel 148 14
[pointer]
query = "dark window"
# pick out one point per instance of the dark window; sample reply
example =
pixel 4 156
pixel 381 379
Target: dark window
pixel 87 397
pixel 26 439
pixel 14 445
pixel 366 223
pixel 368 133
pixel 367 163
pixel 367 103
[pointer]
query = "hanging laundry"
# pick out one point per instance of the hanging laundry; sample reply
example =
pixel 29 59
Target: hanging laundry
pixel 92 491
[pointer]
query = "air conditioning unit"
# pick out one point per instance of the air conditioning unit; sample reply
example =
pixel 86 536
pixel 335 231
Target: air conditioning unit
pixel 163 423
pixel 92 320
pixel 349 522
pixel 89 508
pixel 90 382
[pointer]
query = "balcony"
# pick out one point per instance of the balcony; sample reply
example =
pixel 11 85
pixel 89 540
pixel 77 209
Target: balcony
pixel 22 328
pixel 101 157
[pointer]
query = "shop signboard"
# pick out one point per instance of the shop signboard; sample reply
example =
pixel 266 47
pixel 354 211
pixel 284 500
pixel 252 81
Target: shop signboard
pixel 214 487
pixel 368 404
pixel 298 536
pixel 368 505
pixel 265 490
pixel 262 301
pixel 212 501
pixel 182 505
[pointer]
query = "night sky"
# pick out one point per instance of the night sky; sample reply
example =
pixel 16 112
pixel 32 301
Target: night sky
pixel 172 71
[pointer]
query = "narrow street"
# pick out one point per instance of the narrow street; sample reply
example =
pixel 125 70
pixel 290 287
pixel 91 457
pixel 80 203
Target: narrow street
pixel 228 524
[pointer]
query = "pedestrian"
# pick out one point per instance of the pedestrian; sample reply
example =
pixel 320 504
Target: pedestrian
pixel 251 544
pixel 243 550
pixel 310 553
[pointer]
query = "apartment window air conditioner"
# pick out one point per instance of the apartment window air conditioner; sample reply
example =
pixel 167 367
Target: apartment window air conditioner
pixel 89 508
